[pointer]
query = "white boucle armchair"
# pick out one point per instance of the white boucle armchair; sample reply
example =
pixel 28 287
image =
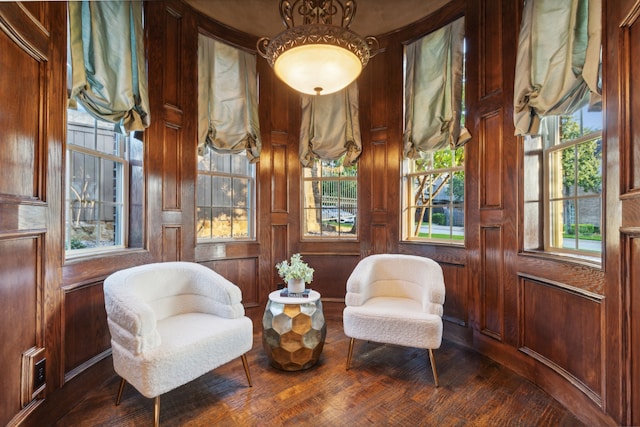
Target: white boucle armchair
pixel 395 299
pixel 171 323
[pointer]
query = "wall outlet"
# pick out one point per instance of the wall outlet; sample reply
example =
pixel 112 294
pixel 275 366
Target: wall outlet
pixel 39 374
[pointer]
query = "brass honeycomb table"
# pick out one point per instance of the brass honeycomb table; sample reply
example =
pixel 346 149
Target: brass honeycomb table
pixel 293 331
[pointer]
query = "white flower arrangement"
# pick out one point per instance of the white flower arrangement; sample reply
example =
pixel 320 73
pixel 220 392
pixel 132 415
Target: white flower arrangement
pixel 297 269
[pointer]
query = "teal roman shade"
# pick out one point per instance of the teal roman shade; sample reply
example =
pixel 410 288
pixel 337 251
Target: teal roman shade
pixel 433 91
pixel 330 127
pixel 558 62
pixel 227 99
pixel 108 62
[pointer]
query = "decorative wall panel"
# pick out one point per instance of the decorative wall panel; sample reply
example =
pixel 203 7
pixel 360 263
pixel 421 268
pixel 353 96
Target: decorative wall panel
pixel 279 249
pixel 280 172
pixel 631 80
pixel 379 191
pixel 456 304
pixel 490 76
pixel 21 122
pixel 243 273
pixel 491 282
pixel 21 296
pixel 378 238
pixel 86 333
pixel 562 328
pixel 331 273
pixel 172 59
pixel 171 242
pixel 631 294
pixel 492 168
pixel 171 168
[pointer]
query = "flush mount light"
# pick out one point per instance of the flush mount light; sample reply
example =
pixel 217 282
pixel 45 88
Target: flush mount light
pixel 317 57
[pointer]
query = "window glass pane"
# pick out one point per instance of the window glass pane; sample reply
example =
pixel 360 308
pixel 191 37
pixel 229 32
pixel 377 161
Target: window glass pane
pixel 589 219
pixel 241 226
pixel 221 222
pixel 435 196
pixel 589 159
pixel 203 223
pixel 330 200
pixel 225 196
pixel 241 192
pixel 220 163
pixel 204 190
pixel 222 192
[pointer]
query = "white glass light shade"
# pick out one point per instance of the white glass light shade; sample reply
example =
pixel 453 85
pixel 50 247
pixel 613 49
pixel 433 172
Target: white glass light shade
pixel 317 68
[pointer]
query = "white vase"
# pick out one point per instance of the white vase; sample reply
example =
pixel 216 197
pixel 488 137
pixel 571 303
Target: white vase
pixel 295 286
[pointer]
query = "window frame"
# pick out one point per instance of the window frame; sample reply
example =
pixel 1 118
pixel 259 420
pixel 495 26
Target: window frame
pixel 548 151
pixel 122 189
pixel 409 210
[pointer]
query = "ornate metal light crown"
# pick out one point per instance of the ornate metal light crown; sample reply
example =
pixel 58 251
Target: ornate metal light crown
pixel 317 57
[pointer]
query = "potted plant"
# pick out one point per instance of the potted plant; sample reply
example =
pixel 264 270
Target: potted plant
pixel 295 273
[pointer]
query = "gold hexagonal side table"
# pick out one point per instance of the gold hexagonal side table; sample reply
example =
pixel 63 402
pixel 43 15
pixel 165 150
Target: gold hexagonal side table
pixel 293 331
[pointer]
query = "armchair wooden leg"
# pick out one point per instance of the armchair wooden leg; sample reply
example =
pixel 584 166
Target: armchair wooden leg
pixel 350 353
pixel 156 412
pixel 433 367
pixel 245 364
pixel 120 389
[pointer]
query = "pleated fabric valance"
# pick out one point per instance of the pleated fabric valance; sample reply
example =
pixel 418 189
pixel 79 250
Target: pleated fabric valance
pixel 227 99
pixel 330 127
pixel 108 62
pixel 558 62
pixel 433 91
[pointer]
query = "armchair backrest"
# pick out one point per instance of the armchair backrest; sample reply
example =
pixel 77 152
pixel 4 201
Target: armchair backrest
pixel 172 288
pixel 398 275
pixel 137 298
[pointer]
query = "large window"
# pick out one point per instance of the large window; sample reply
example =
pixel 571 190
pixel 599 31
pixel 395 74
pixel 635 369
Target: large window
pixel 226 196
pixel 569 155
pixel 434 198
pixel 330 200
pixel 104 187
pixel 433 177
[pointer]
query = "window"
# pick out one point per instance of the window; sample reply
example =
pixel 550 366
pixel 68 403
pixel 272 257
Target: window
pixel 569 154
pixel 226 196
pixel 104 187
pixel 434 135
pixel 330 200
pixel 434 198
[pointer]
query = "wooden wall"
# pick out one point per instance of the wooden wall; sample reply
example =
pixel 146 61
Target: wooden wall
pixel 570 327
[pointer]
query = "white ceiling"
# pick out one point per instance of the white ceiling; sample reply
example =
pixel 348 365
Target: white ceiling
pixel 262 17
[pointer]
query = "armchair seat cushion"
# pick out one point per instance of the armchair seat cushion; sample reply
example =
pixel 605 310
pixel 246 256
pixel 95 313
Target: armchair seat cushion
pixel 393 320
pixel 191 345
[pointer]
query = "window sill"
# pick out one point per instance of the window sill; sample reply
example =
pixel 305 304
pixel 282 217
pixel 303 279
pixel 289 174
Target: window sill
pixel 584 260
pixel 435 242
pixel 85 256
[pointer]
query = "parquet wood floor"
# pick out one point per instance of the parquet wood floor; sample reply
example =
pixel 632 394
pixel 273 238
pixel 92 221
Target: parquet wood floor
pixel 386 386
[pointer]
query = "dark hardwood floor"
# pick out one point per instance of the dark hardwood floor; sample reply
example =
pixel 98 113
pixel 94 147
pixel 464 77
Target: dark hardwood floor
pixel 386 386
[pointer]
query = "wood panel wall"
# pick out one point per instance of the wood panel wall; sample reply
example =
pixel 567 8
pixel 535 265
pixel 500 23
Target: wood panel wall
pixel 622 287
pixel 30 216
pixel 570 327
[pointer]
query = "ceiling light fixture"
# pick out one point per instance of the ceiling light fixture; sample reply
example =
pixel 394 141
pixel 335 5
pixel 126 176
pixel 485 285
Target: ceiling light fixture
pixel 317 57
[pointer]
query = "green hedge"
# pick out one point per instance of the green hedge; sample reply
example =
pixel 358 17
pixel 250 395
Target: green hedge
pixel 438 219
